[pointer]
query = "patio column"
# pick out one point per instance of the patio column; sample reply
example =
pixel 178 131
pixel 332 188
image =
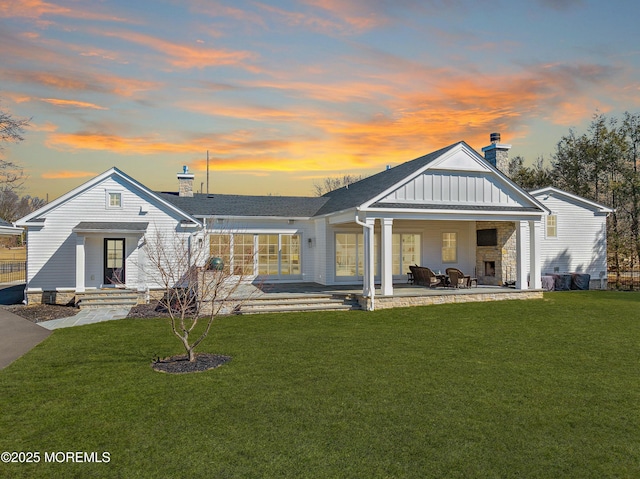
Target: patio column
pixel 535 277
pixel 142 265
pixel 368 286
pixel 521 270
pixel 80 261
pixel 387 257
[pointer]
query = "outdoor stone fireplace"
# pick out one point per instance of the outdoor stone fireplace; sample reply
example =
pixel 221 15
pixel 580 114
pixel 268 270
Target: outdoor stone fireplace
pixel 495 252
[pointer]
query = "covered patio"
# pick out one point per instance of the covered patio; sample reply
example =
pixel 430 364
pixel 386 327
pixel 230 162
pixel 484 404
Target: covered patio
pixel 403 295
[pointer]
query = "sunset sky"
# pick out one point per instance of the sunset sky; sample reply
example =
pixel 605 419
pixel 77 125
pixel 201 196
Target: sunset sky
pixel 285 93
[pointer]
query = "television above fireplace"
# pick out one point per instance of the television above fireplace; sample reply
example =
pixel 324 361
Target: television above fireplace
pixel 487 237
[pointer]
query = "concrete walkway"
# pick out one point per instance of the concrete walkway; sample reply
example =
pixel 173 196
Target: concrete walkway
pixel 17 337
pixel 86 316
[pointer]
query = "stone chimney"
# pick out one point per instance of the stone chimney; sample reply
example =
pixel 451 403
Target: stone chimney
pixel 497 153
pixel 185 179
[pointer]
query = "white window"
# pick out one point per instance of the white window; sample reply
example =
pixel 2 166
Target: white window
pixel 350 254
pixel 406 252
pixel 449 247
pixel 552 226
pixel 264 254
pixel 114 199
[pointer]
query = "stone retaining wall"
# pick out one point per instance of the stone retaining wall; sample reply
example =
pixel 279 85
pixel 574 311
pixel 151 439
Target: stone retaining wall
pixel 52 297
pixel 387 302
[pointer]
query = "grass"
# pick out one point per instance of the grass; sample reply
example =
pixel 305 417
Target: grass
pixel 533 389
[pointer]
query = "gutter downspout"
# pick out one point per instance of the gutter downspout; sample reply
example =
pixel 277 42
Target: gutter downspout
pixel 369 292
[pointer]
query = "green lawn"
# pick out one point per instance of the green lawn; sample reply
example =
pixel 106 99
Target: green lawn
pixel 530 389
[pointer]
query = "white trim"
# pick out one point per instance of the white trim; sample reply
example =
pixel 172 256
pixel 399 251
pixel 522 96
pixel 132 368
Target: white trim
pixel 552 190
pixel 447 232
pixel 386 260
pixel 553 214
pixel 80 263
pixel 460 147
pixel 11 230
pixel 535 275
pixel 521 270
pixel 113 171
pixel 108 204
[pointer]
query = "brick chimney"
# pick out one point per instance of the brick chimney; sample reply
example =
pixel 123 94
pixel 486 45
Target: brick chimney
pixel 185 179
pixel 497 153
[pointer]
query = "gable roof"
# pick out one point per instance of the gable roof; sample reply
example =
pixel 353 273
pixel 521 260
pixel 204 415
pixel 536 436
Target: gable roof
pixel 364 193
pixel 565 195
pixel 368 192
pixel 238 205
pixel 38 215
pixel 368 188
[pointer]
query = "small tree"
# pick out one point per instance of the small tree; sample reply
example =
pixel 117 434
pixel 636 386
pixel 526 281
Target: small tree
pixel 193 292
pixel 11 129
pixel 12 176
pixel 333 183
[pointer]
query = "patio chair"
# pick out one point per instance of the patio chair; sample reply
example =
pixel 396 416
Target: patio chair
pixel 460 280
pixel 425 277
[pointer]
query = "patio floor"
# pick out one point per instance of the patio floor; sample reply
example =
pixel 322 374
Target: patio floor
pixel 403 294
pixel 398 289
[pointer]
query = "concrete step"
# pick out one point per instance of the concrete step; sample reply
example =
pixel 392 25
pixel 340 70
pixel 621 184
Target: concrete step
pixel 298 304
pixel 106 299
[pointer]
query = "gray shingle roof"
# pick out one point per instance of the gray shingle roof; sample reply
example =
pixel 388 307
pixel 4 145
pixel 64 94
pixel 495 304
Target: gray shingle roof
pixel 304 207
pixel 300 206
pixel 368 188
pixel 239 205
pixel 111 225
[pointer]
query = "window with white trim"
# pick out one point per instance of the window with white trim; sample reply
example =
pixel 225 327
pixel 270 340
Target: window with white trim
pixel 350 254
pixel 552 226
pixel 406 251
pixel 449 247
pixel 114 199
pixel 258 254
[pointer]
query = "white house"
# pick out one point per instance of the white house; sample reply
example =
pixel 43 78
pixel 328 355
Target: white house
pixel 575 235
pixel 450 208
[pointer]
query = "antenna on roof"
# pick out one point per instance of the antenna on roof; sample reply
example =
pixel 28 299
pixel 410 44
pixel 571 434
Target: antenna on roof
pixel 207 171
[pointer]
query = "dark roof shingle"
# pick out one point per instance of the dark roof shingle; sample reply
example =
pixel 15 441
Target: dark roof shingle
pixel 238 205
pixel 368 188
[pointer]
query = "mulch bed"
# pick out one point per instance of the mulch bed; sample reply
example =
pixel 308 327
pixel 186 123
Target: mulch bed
pixel 151 310
pixel 38 313
pixel 181 364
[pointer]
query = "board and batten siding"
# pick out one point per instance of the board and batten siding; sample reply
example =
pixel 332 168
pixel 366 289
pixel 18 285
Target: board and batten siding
pixel 464 188
pixel 52 248
pixel 581 242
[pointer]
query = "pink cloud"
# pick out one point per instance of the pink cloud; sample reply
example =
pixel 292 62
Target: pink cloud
pixel 186 56
pixel 36 9
pixel 72 103
pixel 99 83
